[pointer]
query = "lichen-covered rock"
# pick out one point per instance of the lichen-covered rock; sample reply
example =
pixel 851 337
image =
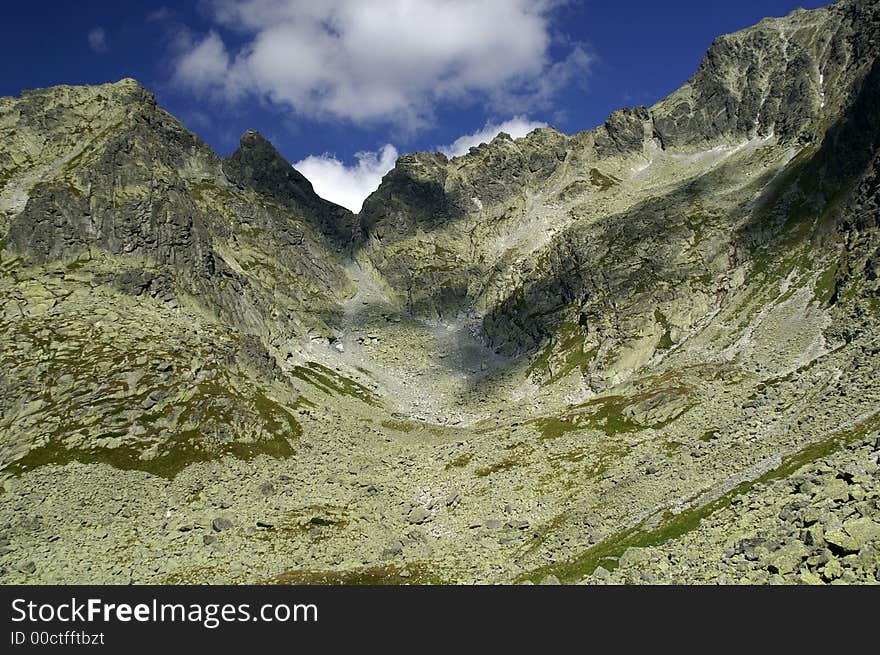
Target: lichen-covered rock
pixel 783 76
pixel 258 165
pixel 645 353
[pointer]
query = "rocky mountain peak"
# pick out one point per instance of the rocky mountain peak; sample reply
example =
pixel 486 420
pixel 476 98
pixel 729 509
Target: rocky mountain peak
pixel 784 76
pixel 257 164
pixel 133 89
pixel 412 196
pixel 514 364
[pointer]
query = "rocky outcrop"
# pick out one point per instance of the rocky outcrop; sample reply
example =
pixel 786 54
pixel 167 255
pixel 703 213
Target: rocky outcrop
pixel 624 133
pixel 413 196
pixel 124 192
pixel 524 363
pixel 784 76
pixel 259 166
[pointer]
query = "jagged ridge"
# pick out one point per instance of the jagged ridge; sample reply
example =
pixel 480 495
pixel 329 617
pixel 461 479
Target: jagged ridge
pixel 216 363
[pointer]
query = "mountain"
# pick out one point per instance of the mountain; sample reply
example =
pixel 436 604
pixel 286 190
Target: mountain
pixel 645 352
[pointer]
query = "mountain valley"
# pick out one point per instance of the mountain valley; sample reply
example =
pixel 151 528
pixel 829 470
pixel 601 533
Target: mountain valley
pixel 643 353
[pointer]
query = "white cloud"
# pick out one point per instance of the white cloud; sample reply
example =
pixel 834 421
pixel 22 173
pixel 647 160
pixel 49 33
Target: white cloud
pixel 345 185
pixel 349 186
pixel 161 14
pixel 98 40
pixel 381 61
pixel 516 127
pixel 204 61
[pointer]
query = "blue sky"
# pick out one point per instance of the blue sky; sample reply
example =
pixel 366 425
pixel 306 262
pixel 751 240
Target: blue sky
pixel 341 87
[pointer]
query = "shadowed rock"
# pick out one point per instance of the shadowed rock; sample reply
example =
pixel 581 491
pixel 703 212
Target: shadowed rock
pixel 258 165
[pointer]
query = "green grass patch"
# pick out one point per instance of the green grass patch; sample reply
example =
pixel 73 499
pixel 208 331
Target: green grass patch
pixel 180 451
pixel 601 180
pixel 304 403
pixel 563 354
pixel 554 427
pixel 275 417
pixel 825 290
pixel 400 425
pixel 209 189
pixel 413 573
pixel 666 341
pixel 604 414
pixel 709 435
pixel 504 465
pixel 334 384
pixel 673 526
pixel 460 462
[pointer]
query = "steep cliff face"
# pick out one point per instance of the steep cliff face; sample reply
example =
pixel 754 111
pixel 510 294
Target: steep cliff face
pixel 259 166
pixel 787 76
pixel 846 170
pixel 127 196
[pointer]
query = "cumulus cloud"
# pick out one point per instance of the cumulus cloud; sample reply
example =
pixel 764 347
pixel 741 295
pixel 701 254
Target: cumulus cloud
pixel 350 185
pixel 381 61
pixel 516 127
pixel 345 185
pixel 205 61
pixel 98 40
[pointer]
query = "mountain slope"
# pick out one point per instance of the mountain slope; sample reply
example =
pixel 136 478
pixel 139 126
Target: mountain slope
pixel 519 362
pixel 525 249
pixel 143 291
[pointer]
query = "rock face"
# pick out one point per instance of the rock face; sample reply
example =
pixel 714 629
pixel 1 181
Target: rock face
pixel 782 77
pixel 150 213
pixel 521 364
pixel 257 165
pixel 105 168
pixel 611 263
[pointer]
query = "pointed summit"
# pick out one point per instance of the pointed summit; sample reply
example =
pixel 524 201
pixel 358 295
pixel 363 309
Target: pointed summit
pixel 258 165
